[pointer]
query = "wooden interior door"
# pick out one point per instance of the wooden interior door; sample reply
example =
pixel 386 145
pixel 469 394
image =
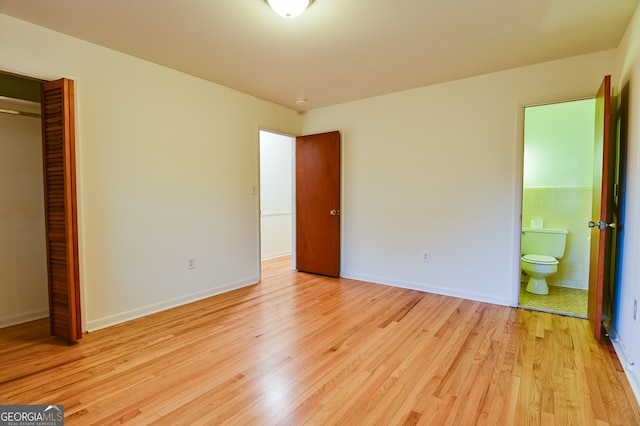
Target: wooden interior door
pixel 318 204
pixel 603 223
pixel 61 226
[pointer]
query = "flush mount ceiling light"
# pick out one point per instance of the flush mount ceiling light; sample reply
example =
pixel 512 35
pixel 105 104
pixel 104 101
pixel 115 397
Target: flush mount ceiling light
pixel 289 8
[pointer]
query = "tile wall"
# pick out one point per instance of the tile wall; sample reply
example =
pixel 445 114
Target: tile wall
pixel 564 208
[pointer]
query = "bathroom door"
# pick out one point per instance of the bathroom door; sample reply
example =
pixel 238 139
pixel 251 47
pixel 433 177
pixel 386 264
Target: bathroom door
pixel 604 214
pixel 318 204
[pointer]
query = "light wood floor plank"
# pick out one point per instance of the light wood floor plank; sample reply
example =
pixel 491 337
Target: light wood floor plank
pixel 303 349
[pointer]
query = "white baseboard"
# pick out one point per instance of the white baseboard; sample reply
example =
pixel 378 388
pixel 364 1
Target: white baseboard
pixel 631 370
pixel 430 288
pixel 569 284
pixel 24 317
pixel 111 320
pixel 270 256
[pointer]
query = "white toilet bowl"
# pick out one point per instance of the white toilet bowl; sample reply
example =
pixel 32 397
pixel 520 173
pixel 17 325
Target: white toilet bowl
pixel 538 267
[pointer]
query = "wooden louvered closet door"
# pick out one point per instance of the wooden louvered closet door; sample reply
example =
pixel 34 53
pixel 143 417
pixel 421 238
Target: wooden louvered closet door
pixel 58 140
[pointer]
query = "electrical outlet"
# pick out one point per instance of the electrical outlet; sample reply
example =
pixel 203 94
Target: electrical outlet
pixel 635 309
pixel 426 256
pixel 191 263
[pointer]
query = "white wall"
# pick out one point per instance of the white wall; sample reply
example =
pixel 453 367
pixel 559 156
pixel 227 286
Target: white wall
pixel 440 168
pixel 276 215
pixel 23 266
pixel 626 329
pixel 166 167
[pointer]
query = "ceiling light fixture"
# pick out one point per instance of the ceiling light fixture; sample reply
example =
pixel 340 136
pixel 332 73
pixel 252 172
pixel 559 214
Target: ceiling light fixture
pixel 289 8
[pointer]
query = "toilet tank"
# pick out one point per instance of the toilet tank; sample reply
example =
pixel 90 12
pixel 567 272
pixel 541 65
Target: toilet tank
pixel 545 241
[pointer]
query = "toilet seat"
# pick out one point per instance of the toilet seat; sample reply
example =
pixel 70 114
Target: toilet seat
pixel 540 259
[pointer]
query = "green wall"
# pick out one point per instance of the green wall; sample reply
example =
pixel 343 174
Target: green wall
pixel 558 144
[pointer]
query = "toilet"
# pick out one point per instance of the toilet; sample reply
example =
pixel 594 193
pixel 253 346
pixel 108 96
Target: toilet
pixel 541 249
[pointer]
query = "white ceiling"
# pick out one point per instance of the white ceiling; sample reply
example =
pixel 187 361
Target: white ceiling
pixel 338 50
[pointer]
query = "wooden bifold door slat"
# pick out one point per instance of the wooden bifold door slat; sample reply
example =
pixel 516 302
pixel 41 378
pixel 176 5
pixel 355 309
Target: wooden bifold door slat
pixel 58 143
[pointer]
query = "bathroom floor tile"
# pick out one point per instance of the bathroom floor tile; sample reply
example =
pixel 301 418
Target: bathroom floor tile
pixel 563 300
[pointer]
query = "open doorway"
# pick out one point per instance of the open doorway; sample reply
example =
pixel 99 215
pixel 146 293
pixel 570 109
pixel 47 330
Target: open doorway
pixel 557 193
pixel 305 172
pixel 23 264
pixel 276 195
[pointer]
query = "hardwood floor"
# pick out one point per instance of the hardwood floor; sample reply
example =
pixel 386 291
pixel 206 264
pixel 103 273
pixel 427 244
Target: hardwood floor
pixel 303 349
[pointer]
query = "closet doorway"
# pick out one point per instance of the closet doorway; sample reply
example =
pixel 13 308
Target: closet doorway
pixel 58 177
pixel 23 263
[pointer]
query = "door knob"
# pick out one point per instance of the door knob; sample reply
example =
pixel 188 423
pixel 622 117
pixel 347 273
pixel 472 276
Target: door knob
pixel 602 225
pixel 334 212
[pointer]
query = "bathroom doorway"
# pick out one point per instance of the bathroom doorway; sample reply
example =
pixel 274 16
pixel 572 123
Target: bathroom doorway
pixel 557 194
